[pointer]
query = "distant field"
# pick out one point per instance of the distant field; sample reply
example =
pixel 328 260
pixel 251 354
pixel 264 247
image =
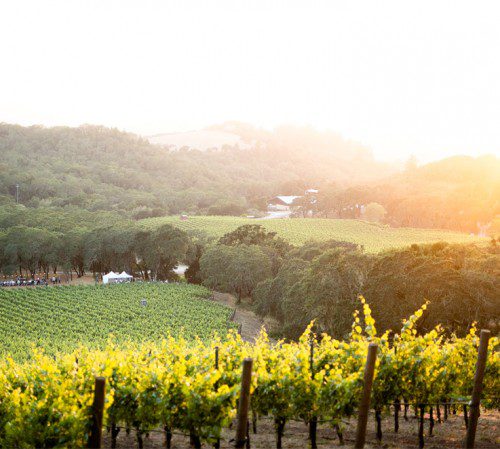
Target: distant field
pixel 373 237
pixel 61 318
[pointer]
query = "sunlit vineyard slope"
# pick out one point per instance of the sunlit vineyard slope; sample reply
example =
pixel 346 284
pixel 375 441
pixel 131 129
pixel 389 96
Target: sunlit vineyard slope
pixel 372 236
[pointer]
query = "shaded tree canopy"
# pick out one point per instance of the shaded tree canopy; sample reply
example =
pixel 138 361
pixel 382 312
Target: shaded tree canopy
pixel 460 281
pixel 236 270
pixel 81 244
pixel 255 235
pixel 321 283
pixel 273 246
pixel 323 289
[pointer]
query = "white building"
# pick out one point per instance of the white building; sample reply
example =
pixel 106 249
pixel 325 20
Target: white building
pixel 282 202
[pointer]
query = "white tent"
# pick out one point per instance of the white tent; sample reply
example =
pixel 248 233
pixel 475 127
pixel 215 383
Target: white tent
pixel 107 277
pixel 112 277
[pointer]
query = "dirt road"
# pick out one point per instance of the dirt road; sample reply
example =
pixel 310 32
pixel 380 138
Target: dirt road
pixel 251 324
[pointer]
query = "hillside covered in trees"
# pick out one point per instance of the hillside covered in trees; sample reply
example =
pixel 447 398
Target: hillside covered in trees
pixel 97 168
pixel 460 193
pixel 101 169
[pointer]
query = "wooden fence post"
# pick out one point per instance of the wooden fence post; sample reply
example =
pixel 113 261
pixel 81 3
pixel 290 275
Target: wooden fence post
pixel 482 355
pixel 95 437
pixel 242 424
pixel 364 405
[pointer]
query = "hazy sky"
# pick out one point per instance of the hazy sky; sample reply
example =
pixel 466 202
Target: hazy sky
pixel 401 76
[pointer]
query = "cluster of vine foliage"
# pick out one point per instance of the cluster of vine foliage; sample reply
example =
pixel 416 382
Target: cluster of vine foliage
pixel 175 385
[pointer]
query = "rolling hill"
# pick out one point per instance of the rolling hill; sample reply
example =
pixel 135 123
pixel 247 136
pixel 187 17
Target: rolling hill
pixel 98 168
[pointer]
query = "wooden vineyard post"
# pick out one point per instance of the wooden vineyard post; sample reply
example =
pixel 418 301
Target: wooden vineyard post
pixel 95 437
pixel 242 424
pixel 364 405
pixel 216 366
pixel 314 419
pixel 482 356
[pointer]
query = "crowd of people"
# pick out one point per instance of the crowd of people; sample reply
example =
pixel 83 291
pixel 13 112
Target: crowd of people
pixel 25 282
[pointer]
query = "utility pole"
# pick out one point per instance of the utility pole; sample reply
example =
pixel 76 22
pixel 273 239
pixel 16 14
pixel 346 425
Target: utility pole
pixel 17 193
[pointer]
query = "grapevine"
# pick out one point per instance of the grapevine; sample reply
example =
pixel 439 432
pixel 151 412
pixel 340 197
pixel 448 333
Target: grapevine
pixel 59 319
pixel 173 384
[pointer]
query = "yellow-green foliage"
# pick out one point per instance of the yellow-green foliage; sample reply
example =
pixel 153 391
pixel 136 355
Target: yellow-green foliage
pixel 374 237
pixel 174 384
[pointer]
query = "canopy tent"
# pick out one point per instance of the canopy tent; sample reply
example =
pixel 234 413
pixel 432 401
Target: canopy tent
pixel 112 277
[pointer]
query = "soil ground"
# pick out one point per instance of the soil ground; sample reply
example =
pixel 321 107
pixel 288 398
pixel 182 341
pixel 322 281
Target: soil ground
pixel 251 324
pixel 449 434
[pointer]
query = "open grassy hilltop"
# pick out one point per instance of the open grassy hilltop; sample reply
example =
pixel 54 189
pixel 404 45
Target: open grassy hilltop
pixel 374 237
pixel 62 318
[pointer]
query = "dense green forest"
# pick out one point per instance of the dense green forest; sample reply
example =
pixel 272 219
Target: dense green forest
pixel 101 169
pixel 97 168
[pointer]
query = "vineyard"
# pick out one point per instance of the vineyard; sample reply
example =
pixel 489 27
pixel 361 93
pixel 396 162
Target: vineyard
pixel 62 318
pixel 179 387
pixel 374 237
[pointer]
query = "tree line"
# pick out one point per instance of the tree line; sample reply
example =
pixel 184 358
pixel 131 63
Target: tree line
pixel 459 193
pixel 27 251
